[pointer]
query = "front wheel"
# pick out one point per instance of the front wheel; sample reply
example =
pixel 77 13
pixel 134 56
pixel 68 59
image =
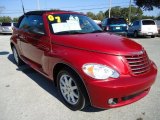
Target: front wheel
pixel 70 88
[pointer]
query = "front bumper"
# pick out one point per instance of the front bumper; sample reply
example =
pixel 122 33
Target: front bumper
pixel 126 89
pixel 9 32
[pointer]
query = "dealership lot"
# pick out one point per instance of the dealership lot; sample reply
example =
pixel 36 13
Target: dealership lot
pixel 27 95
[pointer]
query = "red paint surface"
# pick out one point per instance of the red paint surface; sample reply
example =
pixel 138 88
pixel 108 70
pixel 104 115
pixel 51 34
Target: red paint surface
pixel 43 52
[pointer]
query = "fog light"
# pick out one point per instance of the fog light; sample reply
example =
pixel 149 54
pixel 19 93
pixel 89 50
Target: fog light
pixel 112 101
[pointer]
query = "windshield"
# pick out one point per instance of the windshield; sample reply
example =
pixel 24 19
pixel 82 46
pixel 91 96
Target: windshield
pixel 72 24
pixel 6 24
pixel 148 22
pixel 113 21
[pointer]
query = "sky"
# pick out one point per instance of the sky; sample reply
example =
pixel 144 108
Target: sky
pixel 13 8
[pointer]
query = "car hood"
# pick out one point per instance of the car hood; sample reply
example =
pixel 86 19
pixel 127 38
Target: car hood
pixel 99 42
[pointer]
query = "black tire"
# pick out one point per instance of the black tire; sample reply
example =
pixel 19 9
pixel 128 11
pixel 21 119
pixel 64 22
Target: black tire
pixel 135 34
pixel 125 35
pixel 17 59
pixel 80 100
pixel 153 36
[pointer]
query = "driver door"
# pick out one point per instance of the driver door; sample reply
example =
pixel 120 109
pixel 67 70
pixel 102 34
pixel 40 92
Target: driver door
pixel 36 43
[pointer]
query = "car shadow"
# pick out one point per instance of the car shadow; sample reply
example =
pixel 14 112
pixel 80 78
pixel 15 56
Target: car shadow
pixel 139 37
pixel 45 83
pixel 92 109
pixel 4 53
pixel 5 34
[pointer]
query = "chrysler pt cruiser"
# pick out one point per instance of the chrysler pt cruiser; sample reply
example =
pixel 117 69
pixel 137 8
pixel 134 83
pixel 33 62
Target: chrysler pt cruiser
pixel 88 66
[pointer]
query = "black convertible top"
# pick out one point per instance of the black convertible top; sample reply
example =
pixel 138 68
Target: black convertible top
pixel 39 12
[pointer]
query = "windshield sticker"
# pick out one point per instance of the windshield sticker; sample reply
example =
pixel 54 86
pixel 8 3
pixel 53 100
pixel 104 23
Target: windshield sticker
pixel 73 25
pixel 50 18
pixel 60 27
pixel 58 19
pixel 66 26
pixel 73 18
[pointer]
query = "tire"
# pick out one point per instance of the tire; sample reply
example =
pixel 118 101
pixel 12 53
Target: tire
pixel 125 35
pixel 71 90
pixel 17 59
pixel 153 36
pixel 135 34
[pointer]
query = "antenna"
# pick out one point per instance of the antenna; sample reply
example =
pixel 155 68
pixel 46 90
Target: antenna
pixel 38 5
pixel 23 7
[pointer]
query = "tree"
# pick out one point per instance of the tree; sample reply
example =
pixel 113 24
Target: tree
pixel 148 17
pixel 100 15
pixel 91 15
pixel 5 19
pixel 147 4
pixel 15 19
pixel 136 12
pixel 124 12
pixel 158 18
pixel 115 12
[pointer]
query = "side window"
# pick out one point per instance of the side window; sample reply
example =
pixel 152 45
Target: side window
pixel 24 24
pixel 136 23
pixel 36 22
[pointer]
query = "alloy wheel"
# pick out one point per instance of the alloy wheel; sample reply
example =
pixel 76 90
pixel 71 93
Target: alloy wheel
pixel 69 89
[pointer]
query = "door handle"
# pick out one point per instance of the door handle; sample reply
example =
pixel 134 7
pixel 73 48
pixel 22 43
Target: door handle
pixel 42 47
pixel 22 38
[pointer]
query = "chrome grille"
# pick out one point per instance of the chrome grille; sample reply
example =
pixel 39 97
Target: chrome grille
pixel 139 64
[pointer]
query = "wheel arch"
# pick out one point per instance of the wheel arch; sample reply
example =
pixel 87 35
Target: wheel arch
pixel 60 66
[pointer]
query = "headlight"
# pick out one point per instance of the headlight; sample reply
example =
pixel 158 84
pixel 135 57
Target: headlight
pixel 99 71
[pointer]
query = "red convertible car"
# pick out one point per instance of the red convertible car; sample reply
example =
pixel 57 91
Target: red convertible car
pixel 88 66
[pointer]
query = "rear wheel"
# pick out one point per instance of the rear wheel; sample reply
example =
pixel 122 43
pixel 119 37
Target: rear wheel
pixel 70 88
pixel 17 59
pixel 152 36
pixel 135 34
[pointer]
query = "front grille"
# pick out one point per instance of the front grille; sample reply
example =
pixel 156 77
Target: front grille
pixel 139 64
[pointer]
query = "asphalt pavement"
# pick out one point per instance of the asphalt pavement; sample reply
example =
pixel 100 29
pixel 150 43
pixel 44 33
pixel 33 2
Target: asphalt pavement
pixel 27 95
